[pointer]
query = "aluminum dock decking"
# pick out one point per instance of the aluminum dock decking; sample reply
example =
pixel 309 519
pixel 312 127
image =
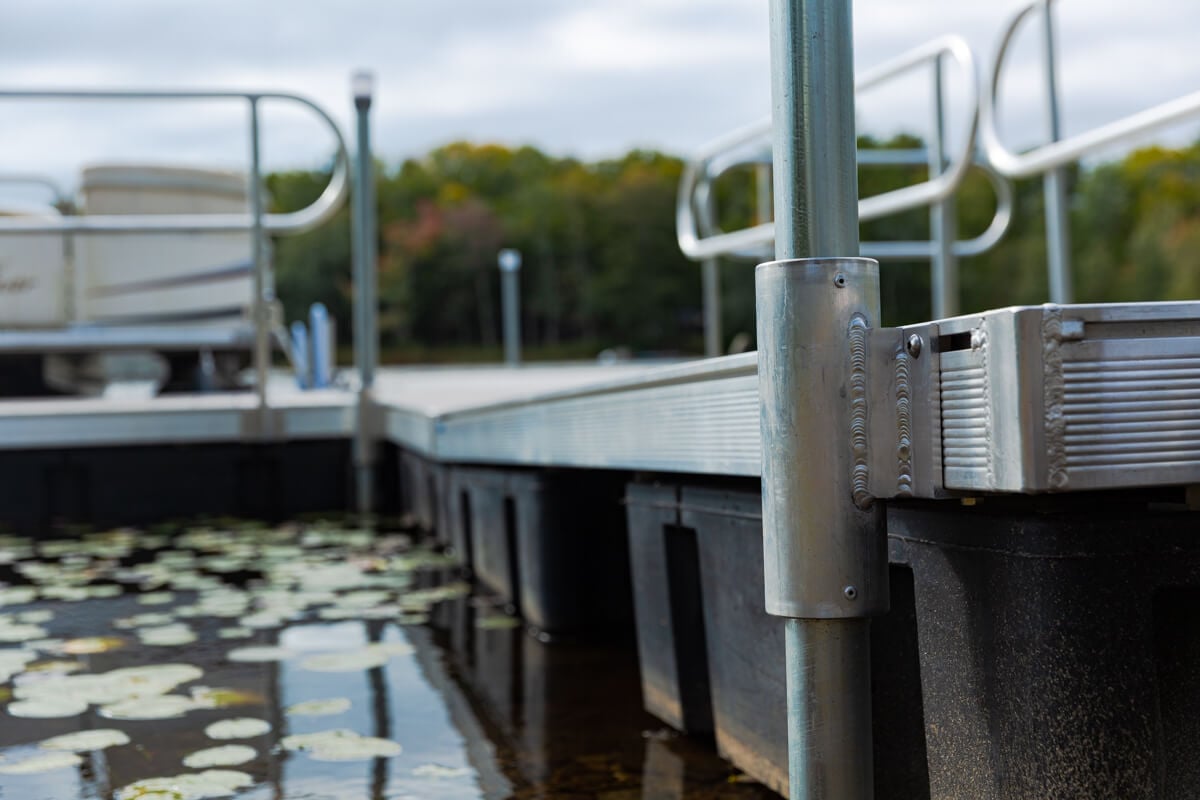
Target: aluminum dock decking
pixel 1033 399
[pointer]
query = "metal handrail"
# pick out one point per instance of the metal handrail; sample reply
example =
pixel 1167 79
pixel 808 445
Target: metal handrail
pixel 697 246
pixel 1066 151
pixel 31 179
pixel 319 211
pixel 892 251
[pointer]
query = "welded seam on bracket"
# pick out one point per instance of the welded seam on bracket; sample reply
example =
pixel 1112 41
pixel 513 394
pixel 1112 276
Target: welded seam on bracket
pixel 859 421
pixel 1053 397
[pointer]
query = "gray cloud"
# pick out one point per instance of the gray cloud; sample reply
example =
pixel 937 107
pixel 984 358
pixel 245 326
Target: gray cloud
pixel 587 77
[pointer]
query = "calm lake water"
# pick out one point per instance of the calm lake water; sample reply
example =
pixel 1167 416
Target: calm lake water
pixel 259 621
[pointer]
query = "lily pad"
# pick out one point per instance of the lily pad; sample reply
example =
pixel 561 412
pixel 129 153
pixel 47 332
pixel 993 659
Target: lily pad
pixel 43 762
pixel 259 654
pixel 238 728
pixel 91 644
pixel 198 786
pixel 168 635
pixel 47 708
pixel 167 706
pixel 229 755
pixel 86 741
pixel 341 745
pixel 352 661
pixel 235 632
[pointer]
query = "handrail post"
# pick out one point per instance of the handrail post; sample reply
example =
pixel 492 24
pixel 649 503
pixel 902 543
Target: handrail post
pixel 365 328
pixel 943 227
pixel 710 282
pixel 1054 184
pixel 261 310
pixel 762 194
pixel 710 287
pixel 825 558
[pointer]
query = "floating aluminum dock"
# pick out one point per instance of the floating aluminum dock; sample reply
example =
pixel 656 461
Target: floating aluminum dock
pixel 1019 400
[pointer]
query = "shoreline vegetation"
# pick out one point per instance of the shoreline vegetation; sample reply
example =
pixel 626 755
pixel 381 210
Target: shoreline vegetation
pixel 602 269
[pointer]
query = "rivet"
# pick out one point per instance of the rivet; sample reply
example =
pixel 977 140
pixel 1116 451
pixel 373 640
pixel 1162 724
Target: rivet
pixel 914 345
pixel 850 592
pixel 839 280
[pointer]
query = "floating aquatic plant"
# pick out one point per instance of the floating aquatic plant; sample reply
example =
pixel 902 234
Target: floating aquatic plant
pixel 351 661
pixel 237 728
pixel 167 635
pixel 341 745
pixel 259 654
pixel 209 697
pixel 166 706
pixel 229 755
pixel 211 783
pixel 47 708
pixel 91 644
pixel 236 632
pixel 319 708
pixel 86 741
pixel 42 762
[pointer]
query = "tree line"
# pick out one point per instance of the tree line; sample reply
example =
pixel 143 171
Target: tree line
pixel 601 267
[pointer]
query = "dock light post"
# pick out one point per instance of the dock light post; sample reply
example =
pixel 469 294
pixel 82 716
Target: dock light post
pixel 366 334
pixel 510 299
pixel 825 552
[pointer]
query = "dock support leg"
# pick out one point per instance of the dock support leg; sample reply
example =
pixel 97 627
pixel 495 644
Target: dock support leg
pixel 825 554
pixel 829 709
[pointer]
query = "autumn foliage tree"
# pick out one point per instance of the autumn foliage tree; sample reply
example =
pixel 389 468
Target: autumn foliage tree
pixel 602 268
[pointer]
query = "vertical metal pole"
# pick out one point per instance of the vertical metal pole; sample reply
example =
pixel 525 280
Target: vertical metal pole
pixel 825 558
pixel 710 279
pixel 943 217
pixel 762 193
pixel 510 300
pixel 262 324
pixel 365 331
pixel 1054 184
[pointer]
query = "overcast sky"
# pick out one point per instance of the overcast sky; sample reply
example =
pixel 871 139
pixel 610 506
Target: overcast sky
pixel 583 77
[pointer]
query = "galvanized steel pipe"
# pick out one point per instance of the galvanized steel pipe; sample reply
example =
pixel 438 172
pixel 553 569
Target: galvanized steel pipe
pixel 366 334
pixel 943 216
pixel 1054 184
pixel 261 309
pixel 825 558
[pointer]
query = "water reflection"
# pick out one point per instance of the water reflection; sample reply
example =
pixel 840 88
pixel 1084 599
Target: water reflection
pixel 565 719
pixel 480 712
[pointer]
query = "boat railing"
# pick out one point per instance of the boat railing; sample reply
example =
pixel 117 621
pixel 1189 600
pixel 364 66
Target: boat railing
pixel 59 197
pixel 257 221
pixel 319 211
